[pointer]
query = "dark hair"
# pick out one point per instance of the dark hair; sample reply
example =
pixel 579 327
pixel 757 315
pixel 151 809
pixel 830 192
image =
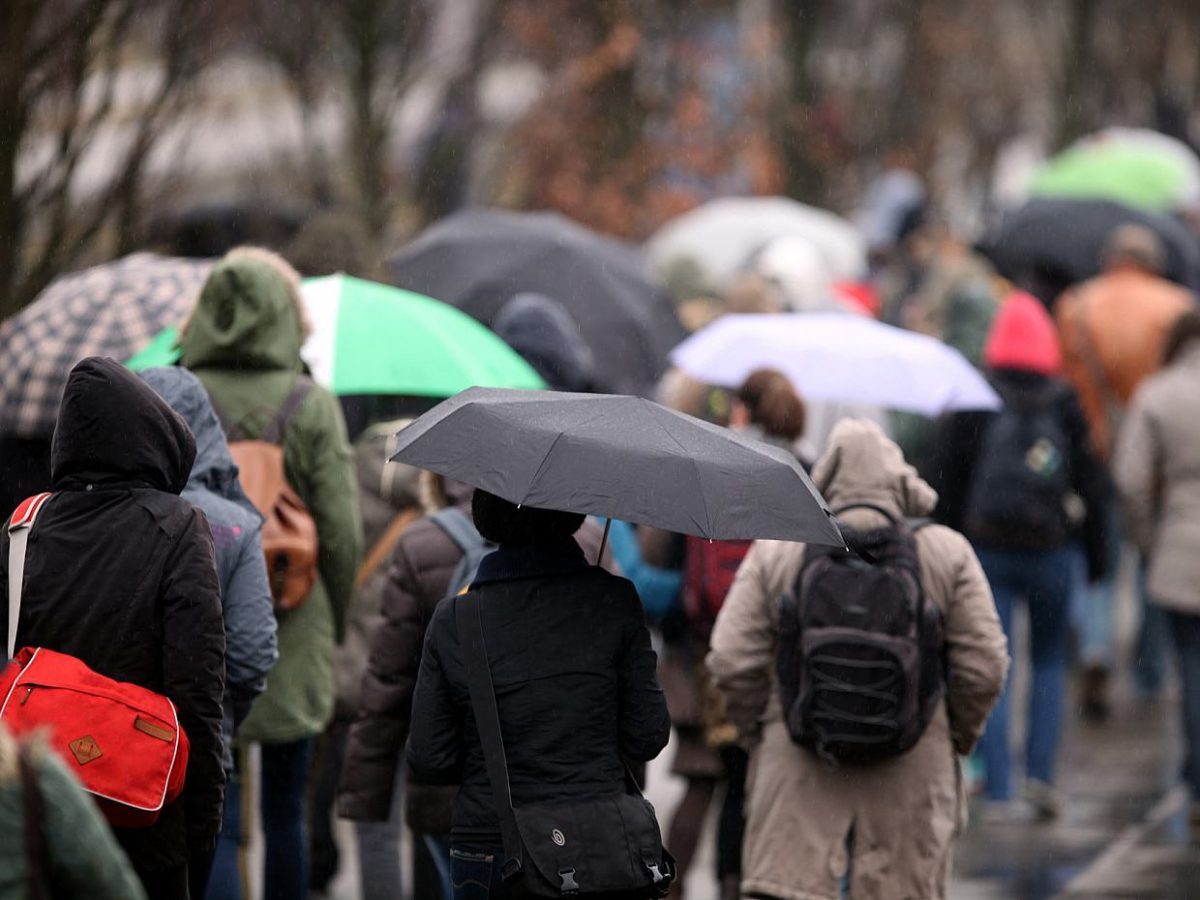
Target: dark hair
pixel 1185 330
pixel 773 403
pixel 506 523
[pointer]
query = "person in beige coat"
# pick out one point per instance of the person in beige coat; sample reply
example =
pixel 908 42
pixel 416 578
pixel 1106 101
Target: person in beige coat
pixel 1157 471
pixel 886 828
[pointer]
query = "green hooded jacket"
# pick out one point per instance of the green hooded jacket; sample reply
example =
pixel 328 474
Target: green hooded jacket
pixel 243 342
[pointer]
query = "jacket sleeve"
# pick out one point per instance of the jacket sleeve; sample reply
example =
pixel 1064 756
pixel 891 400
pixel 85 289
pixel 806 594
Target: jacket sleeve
pixel 950 464
pixel 1090 481
pixel 976 648
pixel 193 664
pixel 82 857
pixel 435 746
pixel 377 736
pixel 332 498
pixel 1136 470
pixel 250 642
pixel 644 724
pixel 743 644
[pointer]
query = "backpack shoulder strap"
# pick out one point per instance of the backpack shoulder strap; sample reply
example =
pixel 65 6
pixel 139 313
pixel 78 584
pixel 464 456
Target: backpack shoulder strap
pixel 276 431
pixel 458 527
pixel 469 621
pixel 18 536
pixel 384 545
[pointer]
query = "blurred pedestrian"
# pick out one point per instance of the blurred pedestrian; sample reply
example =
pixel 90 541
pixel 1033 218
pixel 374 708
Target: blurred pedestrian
pixel 877 830
pixel 243 342
pixel 55 842
pixel 1157 469
pixel 541 330
pixel 213 487
pixel 1024 485
pixel 121 574
pixel 569 647
pixel 388 498
pixel 1112 329
pixel 767 408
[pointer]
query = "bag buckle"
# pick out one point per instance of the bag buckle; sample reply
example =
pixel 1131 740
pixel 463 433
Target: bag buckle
pixel 511 869
pixel 658 876
pixel 569 884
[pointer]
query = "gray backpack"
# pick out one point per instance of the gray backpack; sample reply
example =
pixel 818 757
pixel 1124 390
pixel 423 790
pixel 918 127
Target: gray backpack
pixel 460 529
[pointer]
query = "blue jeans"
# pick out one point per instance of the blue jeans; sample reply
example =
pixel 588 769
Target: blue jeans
pixel 476 875
pixel 1044 580
pixel 285 769
pixel 1185 629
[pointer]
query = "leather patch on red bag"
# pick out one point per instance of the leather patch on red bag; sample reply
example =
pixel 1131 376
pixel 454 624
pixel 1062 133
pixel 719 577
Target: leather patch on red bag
pixel 85 749
pixel 145 726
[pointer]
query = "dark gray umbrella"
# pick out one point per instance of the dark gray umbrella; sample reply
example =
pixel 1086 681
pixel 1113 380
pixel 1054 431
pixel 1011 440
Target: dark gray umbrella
pixel 1049 244
pixel 620 457
pixel 479 258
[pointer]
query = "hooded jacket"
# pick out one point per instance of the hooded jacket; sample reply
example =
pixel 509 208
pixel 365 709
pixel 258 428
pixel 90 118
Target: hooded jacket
pixel 243 343
pixel 213 488
pixel 120 572
pixel 904 812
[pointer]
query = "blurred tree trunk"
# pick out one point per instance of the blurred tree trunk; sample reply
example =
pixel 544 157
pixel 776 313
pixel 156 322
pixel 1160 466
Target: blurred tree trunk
pixel 1077 58
pixel 804 175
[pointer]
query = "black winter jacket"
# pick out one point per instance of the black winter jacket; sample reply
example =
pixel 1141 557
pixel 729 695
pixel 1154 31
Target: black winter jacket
pixel 959 440
pixel 575 680
pixel 120 572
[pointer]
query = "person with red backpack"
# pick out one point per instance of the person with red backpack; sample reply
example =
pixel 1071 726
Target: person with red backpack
pixel 766 407
pixel 1024 484
pixel 119 573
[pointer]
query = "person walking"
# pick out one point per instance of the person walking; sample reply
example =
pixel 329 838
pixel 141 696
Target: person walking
pixel 578 698
pixel 56 844
pixel 243 342
pixel 213 487
pixel 877 830
pixel 1112 329
pixel 1157 471
pixel 120 572
pixel 1024 485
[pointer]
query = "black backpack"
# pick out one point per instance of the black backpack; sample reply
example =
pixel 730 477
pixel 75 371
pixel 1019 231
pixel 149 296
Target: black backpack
pixel 860 661
pixel 1022 480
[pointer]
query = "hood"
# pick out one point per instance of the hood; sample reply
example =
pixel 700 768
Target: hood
pixel 1023 336
pixel 862 465
pixel 114 430
pixel 249 316
pixel 546 337
pixel 214 469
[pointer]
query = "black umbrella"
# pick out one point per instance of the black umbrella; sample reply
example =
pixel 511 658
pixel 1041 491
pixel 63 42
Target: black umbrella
pixel 1048 245
pixel 478 259
pixel 620 457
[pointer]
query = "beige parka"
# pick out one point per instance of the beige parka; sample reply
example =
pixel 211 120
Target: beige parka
pixel 905 812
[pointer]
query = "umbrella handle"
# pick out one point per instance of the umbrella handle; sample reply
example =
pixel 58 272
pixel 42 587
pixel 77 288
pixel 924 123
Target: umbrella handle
pixel 604 540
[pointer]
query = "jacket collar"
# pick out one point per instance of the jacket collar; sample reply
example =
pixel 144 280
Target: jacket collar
pixel 536 561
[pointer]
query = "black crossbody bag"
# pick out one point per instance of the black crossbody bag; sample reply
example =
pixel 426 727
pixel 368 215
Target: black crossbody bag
pixel 606 846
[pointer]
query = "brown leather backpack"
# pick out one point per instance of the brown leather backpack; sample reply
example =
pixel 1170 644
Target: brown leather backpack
pixel 289 534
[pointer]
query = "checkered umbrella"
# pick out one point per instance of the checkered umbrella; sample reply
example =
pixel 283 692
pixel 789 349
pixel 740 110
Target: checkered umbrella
pixel 109 310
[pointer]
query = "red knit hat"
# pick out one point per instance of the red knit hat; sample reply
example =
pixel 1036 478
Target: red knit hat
pixel 1023 336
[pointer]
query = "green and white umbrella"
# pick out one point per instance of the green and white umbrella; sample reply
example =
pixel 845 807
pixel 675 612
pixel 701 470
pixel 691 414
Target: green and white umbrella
pixel 1134 166
pixel 369 338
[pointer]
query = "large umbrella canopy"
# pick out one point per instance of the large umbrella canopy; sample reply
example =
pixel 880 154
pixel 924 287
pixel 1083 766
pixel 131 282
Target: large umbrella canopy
pixel 109 310
pixel 1135 166
pixel 838 357
pixel 620 457
pixel 371 338
pixel 479 259
pixel 721 236
pixel 1048 245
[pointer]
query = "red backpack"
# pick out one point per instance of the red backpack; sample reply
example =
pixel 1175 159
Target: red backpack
pixel 708 573
pixel 122 741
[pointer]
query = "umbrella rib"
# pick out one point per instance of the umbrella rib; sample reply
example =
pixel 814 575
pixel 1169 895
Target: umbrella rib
pixel 695 466
pixel 542 465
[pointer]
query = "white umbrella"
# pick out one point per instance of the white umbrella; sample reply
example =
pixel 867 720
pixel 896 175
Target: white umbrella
pixel 838 357
pixel 720 236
